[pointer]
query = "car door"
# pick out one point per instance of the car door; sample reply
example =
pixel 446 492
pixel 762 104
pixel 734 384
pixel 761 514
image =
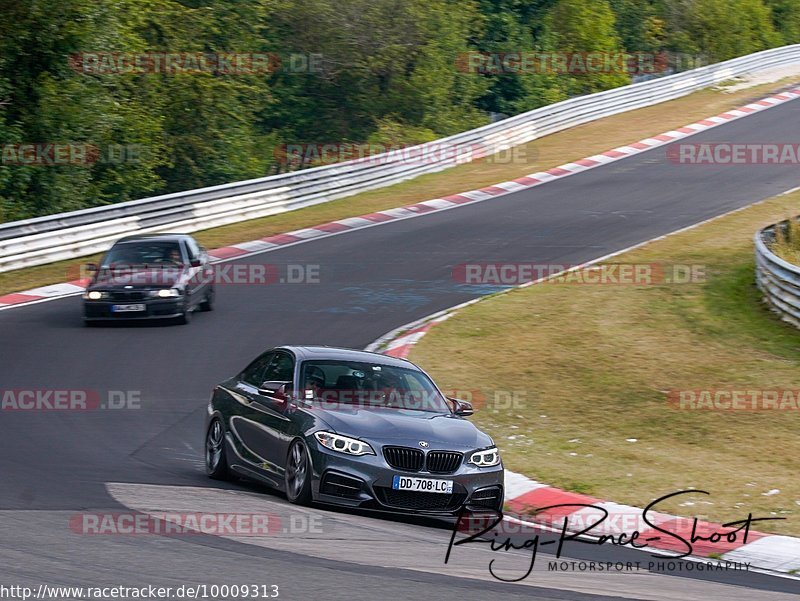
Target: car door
pixel 242 416
pixel 198 280
pixel 265 423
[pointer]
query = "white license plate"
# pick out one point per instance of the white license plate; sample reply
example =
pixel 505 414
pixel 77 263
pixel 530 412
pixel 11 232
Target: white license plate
pixel 422 484
pixel 127 308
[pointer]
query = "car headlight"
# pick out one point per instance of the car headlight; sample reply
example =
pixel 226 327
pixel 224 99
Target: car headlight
pixel 343 444
pixel 486 458
pixel 166 293
pixel 94 295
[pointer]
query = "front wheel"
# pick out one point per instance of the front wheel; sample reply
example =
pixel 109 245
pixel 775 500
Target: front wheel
pixel 208 302
pixel 298 474
pixel 216 461
pixel 185 316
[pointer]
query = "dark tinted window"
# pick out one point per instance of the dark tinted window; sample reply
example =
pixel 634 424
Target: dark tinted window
pixel 148 253
pixel 281 368
pixel 255 372
pixel 370 384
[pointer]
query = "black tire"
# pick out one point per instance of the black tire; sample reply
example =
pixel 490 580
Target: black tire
pixel 185 317
pixel 208 303
pixel 216 459
pixel 298 474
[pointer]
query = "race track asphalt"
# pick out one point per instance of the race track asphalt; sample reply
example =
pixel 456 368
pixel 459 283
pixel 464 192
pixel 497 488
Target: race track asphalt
pixel 54 464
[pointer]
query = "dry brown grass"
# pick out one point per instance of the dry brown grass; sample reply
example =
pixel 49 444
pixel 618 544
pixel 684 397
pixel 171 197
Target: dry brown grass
pixel 593 364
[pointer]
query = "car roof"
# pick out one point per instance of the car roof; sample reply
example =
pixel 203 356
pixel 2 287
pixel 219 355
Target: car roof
pixel 334 353
pixel 166 237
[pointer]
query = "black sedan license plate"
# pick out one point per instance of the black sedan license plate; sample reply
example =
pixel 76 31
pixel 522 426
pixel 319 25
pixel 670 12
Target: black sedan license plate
pixel 127 308
pixel 422 484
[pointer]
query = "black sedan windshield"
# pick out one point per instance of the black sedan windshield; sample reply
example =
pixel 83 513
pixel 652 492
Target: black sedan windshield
pixel 155 254
pixel 371 385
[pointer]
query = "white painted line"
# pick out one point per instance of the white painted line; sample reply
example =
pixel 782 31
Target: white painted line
pixel 476 195
pixel 517 485
pixel 254 246
pixel 511 186
pixel 399 213
pixel 542 176
pixel 354 222
pixel 438 203
pixel 601 158
pixel 54 290
pixel 780 553
pixel 306 233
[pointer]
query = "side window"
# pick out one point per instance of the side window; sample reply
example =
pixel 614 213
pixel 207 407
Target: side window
pixel 255 373
pixel 281 368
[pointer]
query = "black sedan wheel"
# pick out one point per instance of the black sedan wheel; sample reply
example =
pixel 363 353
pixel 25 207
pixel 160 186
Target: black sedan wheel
pixel 298 475
pixel 216 461
pixel 186 315
pixel 208 303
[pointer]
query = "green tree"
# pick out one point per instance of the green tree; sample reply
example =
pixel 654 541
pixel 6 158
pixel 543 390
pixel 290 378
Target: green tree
pixel 721 29
pixel 588 26
pixel 786 18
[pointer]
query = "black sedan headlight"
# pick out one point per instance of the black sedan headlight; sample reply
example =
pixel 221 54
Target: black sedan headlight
pixel 485 458
pixel 343 444
pixel 95 295
pixel 164 293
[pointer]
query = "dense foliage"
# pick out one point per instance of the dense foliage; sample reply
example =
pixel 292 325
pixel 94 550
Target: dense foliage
pixel 354 71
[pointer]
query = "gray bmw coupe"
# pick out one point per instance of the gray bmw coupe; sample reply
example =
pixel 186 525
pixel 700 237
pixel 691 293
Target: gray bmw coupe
pixel 351 428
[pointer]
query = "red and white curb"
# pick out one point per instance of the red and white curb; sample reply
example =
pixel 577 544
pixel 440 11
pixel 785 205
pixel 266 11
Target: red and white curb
pixel 254 247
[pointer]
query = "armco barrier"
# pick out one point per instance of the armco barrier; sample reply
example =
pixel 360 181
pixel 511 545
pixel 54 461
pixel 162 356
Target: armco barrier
pixel 68 235
pixel 779 280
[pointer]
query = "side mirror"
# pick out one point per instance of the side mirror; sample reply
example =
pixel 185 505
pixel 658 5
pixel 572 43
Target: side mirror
pixel 90 268
pixel 275 389
pixel 462 408
pixel 195 263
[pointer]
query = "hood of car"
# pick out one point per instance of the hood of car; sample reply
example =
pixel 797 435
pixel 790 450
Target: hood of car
pixel 406 427
pixel 139 278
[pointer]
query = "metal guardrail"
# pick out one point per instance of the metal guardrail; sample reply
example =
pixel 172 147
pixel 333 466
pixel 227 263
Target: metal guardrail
pixel 779 280
pixel 68 235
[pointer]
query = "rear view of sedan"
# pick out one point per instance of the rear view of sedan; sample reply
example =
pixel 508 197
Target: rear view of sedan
pixel 351 428
pixel 155 276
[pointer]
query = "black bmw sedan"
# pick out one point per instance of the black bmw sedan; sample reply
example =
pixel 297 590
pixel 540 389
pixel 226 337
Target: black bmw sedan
pixel 151 276
pixel 351 428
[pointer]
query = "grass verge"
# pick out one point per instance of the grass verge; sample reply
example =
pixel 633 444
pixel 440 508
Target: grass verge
pixel 545 153
pixel 591 366
pixel 787 242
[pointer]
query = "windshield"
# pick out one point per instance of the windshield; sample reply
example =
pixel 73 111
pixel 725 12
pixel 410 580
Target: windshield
pixel 336 383
pixel 151 254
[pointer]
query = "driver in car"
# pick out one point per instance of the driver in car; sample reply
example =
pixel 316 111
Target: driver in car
pixel 175 256
pixel 314 386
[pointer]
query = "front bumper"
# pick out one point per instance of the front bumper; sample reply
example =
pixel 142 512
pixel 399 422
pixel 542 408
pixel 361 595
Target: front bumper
pixel 366 482
pixel 101 310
